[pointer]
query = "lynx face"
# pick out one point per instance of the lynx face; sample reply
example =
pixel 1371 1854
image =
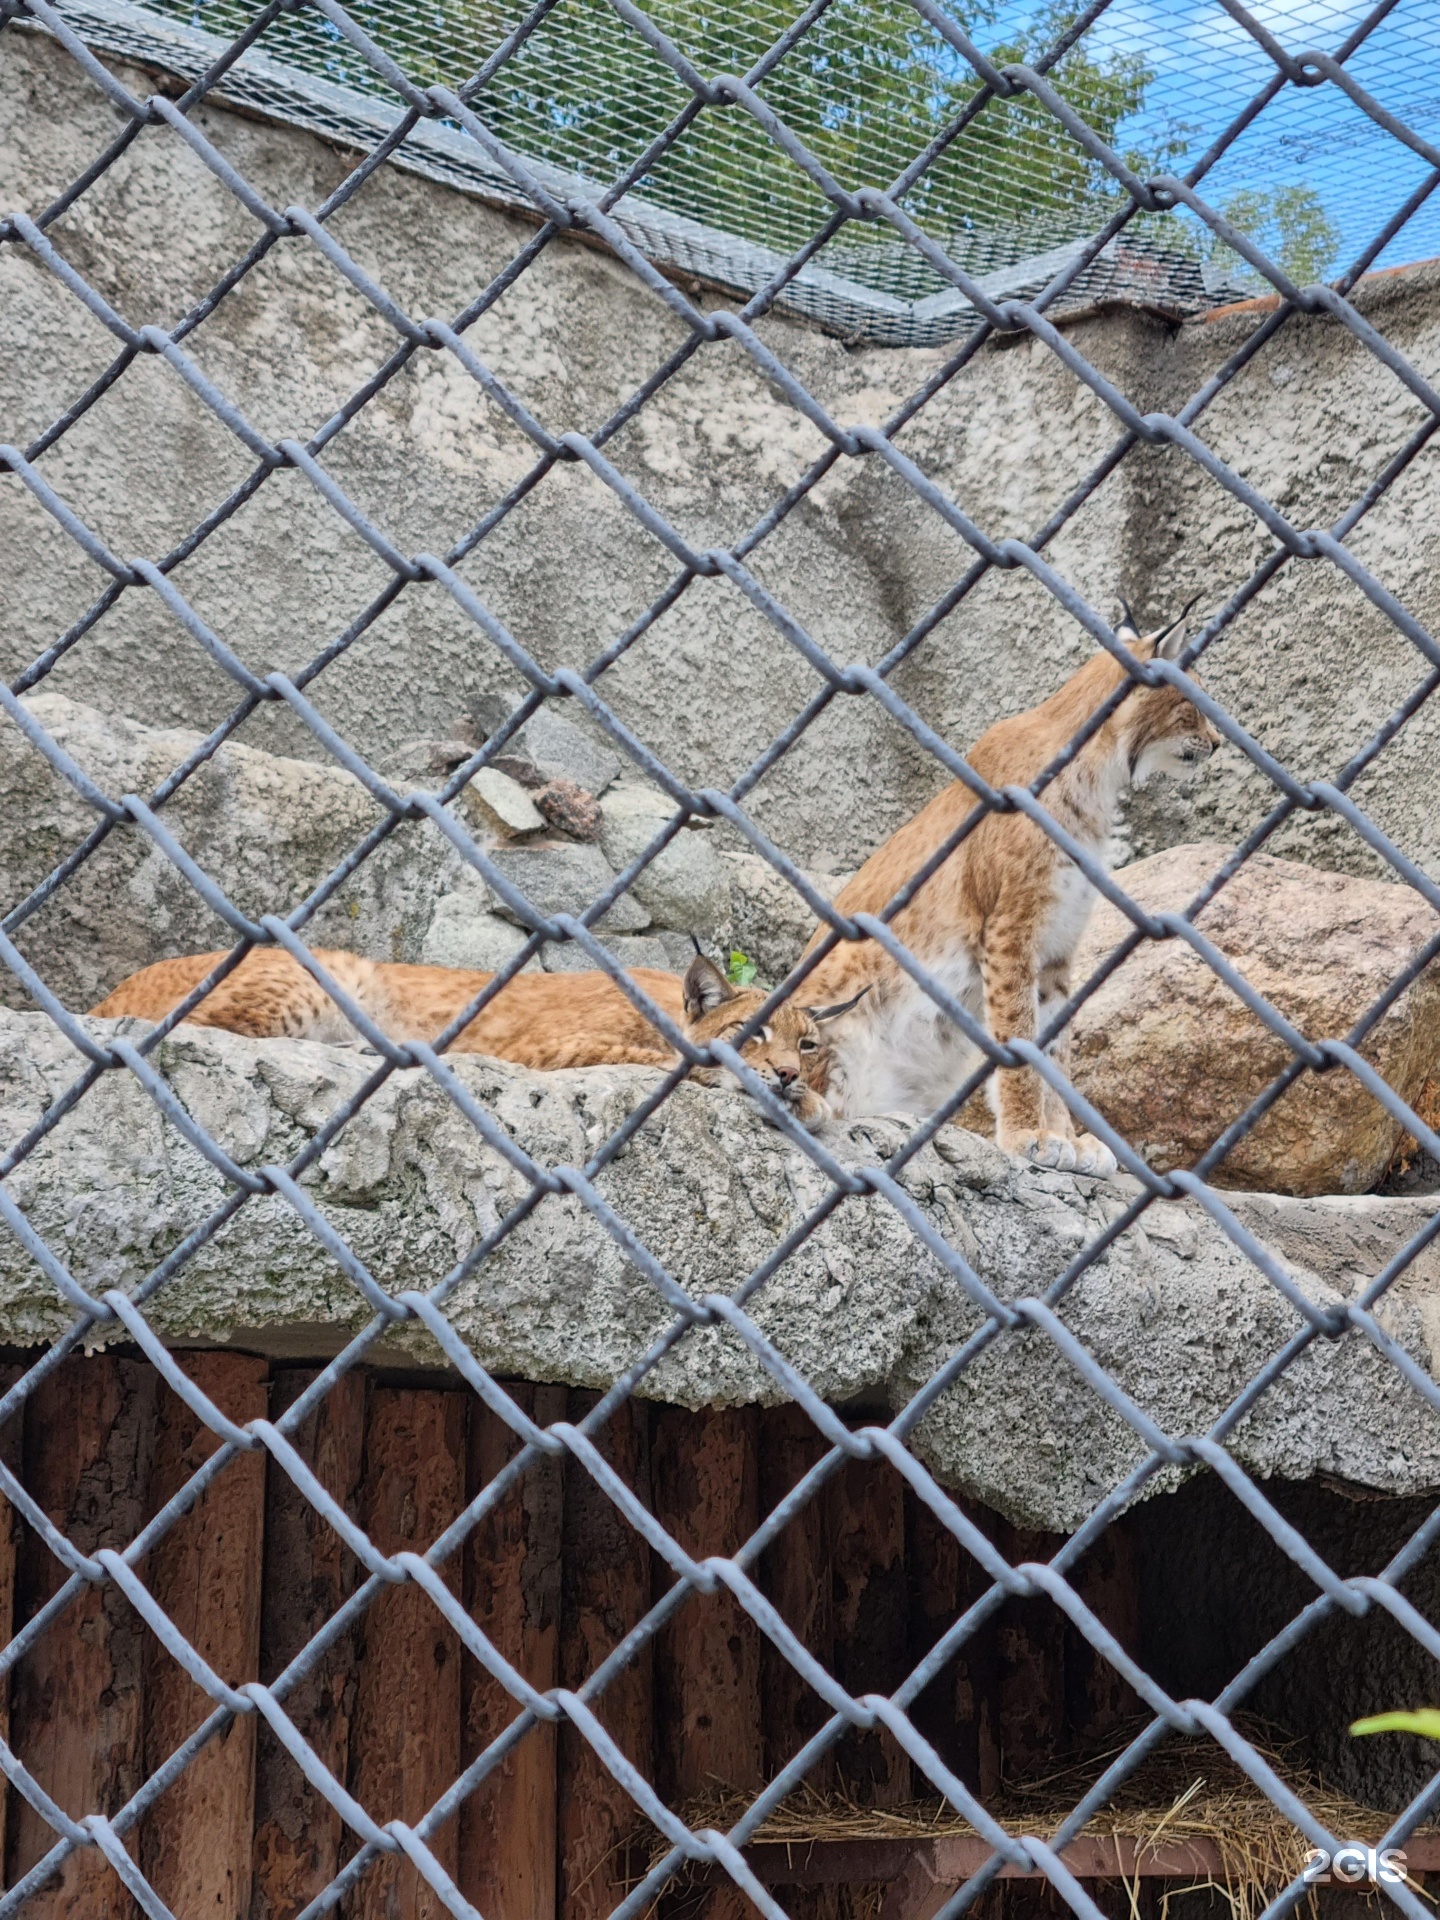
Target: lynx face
pixel 791 1053
pixel 1164 732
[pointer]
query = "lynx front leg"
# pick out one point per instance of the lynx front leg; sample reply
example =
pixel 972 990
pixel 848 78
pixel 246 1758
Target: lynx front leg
pixel 1054 990
pixel 1091 1155
pixel 1022 1113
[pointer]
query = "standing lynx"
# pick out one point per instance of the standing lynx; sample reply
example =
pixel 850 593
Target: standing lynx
pixel 999 920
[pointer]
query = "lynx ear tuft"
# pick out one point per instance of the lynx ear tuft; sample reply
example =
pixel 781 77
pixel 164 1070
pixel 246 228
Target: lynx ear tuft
pixel 822 1014
pixel 1170 640
pixel 1129 627
pixel 705 987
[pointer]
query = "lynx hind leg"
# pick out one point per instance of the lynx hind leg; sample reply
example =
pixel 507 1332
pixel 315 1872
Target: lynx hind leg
pixel 1054 989
pixel 1092 1156
pixel 1022 1113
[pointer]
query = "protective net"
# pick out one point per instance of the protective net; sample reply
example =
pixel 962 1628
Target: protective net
pixel 504 86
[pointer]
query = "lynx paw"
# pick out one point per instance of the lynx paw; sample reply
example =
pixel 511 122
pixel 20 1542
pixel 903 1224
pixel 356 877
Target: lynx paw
pixel 809 1108
pixel 1042 1149
pixel 1093 1156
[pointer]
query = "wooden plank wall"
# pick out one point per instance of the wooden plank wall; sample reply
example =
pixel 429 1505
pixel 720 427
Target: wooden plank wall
pixel 555 1577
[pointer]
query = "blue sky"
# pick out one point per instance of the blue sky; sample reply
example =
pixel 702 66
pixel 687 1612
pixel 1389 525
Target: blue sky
pixel 1207 67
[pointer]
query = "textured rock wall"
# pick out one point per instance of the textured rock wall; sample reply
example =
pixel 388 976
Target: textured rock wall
pixel 1309 667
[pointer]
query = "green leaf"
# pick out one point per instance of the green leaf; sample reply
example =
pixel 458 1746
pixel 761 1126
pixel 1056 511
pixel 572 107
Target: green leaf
pixel 1292 226
pixel 1425 1722
pixel 741 970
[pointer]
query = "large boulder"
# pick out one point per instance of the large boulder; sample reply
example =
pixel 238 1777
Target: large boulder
pixel 1171 1056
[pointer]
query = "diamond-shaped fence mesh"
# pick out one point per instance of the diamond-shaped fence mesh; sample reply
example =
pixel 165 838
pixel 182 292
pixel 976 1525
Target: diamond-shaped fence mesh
pixel 705 104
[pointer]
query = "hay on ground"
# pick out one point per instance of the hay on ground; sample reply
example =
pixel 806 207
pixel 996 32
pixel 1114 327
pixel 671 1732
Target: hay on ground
pixel 1185 1790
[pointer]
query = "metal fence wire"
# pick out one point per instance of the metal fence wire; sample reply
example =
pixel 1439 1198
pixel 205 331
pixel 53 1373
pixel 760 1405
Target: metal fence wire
pixel 1032 1319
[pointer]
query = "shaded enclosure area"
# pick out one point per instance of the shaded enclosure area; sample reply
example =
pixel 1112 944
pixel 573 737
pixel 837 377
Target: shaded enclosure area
pixel 1026 1713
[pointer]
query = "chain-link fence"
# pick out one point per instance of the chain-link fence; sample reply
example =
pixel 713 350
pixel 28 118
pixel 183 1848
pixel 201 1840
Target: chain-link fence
pixel 704 100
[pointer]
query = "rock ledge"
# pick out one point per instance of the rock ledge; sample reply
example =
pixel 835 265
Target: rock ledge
pixel 1173 1311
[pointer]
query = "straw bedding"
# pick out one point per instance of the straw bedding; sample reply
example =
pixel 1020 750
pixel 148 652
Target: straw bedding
pixel 1186 1790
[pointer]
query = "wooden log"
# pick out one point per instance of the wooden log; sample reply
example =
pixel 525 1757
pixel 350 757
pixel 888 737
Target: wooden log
pixel 405 1742
pixel 196 1844
pixel 705 1475
pixel 956 1712
pixel 932 1565
pixel 795 1577
pixel 1030 1665
pixel 867 1534
pixel 1107 1579
pixel 508 1835
pixel 309 1575
pixel 76 1712
pixel 605 1590
pixel 704 1471
pixel 11 1445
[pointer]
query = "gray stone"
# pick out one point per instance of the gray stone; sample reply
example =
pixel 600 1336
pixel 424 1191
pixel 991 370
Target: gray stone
pixel 464 933
pixel 553 744
pixel 421 763
pixel 558 878
pixel 769 920
pixel 493 799
pixel 685 887
pixel 563 751
pixel 631 950
pixel 1172 1311
pixel 266 829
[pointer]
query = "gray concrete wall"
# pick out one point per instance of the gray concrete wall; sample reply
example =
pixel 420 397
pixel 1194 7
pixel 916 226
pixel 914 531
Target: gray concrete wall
pixel 1309 668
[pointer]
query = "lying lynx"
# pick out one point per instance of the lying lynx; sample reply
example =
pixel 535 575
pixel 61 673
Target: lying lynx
pixel 538 1020
pixel 545 1020
pixel 999 920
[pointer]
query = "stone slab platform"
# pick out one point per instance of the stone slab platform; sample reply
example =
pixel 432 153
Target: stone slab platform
pixel 1173 1311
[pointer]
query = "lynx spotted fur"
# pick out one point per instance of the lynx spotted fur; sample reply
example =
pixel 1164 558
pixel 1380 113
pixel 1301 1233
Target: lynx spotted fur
pixel 544 1020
